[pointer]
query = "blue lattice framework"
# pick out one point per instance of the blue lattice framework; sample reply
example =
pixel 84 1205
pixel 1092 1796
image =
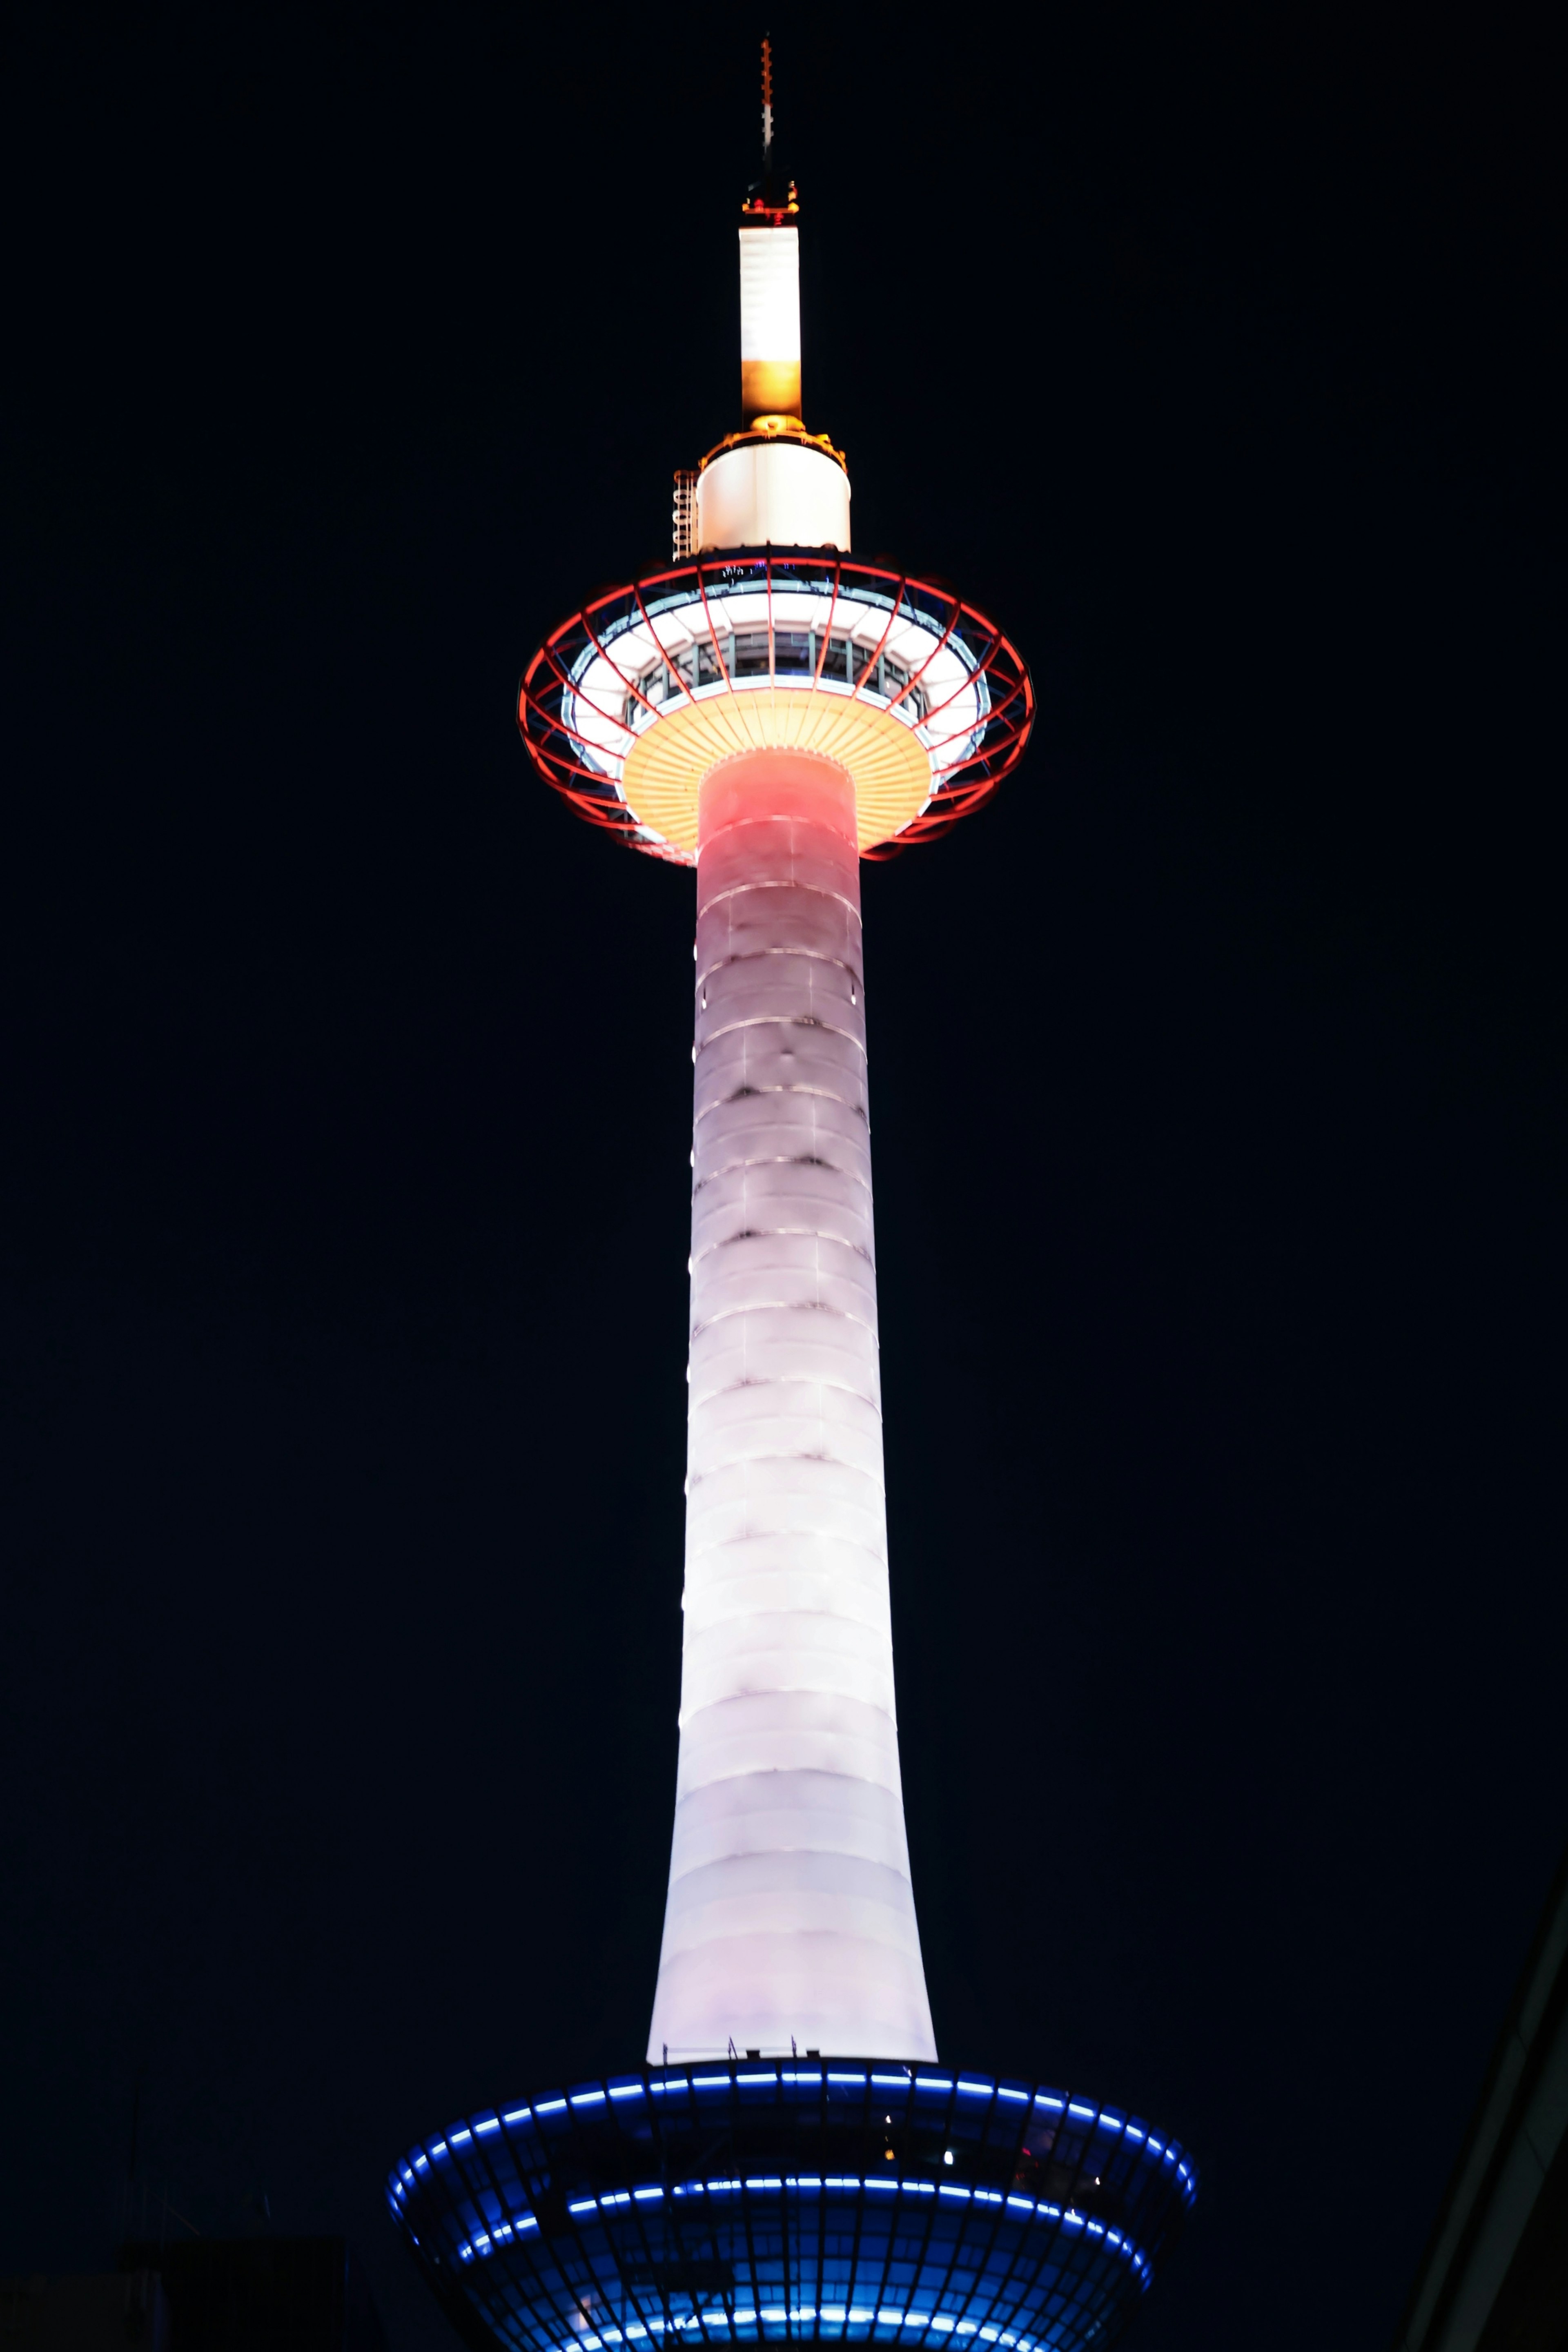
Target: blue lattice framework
pixel 814 2200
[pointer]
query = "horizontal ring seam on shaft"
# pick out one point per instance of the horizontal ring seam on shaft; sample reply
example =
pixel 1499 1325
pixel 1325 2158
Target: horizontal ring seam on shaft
pixel 707 1547
pixel 782 1159
pixel 870 1629
pixel 779 1234
pixel 823 1380
pixel 712 1895
pixel 827 1210
pixel 750 1094
pixel 823 1671
pixel 821 833
pixel 711 902
pixel 803 1379
pixel 795 1454
pixel 798 1448
pixel 784 881
pixel 759 953
pixel 864 1641
pixel 843 1395
pixel 785 1380
pixel 706 1570
pixel 800 883
pixel 810 824
pixel 794 1132
pixel 784 1234
pixel 875 1720
pixel 708 1544
pixel 779 1160
pixel 786 1489
pixel 884 1716
pixel 711 1572
pixel 702 1577
pixel 760 956
pixel 713 1558
pixel 894 1899
pixel 878 1742
pixel 861 1635
pixel 775 1306
pixel 767 1012
pixel 716 1640
pixel 707 1922
pixel 774 956
pixel 785 1772
pixel 868 1538
pixel 852 1780
pixel 780 1020
pixel 841 1646
pixel 796 1846
pixel 728 1465
pixel 767 1019
pixel 843 1918
pixel 822 1582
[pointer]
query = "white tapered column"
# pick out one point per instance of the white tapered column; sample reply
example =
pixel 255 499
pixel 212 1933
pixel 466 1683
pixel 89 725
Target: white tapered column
pixel 791 1915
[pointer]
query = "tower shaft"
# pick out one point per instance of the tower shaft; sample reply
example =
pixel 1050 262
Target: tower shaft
pixel 791 1915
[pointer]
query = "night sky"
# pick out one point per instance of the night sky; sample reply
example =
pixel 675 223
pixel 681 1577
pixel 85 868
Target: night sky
pixel 1216 1072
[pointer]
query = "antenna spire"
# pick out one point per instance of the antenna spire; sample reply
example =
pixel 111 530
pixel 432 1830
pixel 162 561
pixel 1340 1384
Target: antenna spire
pixel 767 108
pixel 763 201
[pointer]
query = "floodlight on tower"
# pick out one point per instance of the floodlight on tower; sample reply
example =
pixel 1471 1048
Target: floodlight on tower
pixel 791 2160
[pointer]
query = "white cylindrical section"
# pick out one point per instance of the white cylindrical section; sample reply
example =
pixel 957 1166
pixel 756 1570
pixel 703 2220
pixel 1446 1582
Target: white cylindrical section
pixel 770 322
pixel 791 1915
pixel 770 294
pixel 772 494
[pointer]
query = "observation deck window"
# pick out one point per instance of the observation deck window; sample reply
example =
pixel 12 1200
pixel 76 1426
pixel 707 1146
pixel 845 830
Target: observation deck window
pixel 751 653
pixel 796 653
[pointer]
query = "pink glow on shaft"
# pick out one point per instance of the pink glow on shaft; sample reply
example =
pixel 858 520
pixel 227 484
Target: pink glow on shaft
pixel 791 1914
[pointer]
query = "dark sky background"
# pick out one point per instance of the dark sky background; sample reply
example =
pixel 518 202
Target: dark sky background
pixel 1217 1071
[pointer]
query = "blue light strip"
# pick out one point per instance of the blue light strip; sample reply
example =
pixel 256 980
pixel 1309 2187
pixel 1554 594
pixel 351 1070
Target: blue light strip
pixel 615 2200
pixel 976 2087
pixel 747 2318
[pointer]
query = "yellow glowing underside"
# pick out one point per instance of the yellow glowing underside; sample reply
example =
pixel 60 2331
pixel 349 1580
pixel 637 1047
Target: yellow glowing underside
pixel 665 767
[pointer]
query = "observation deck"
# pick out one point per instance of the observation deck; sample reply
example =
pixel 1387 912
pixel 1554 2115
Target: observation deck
pixel 628 704
pixel 819 2200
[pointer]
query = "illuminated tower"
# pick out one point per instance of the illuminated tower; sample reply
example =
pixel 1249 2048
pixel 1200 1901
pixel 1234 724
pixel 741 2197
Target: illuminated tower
pixel 792 2160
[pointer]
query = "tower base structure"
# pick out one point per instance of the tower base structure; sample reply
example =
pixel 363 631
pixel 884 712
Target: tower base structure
pixel 819 2200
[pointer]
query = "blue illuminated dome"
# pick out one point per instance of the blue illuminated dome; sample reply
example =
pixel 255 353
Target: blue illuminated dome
pixel 827 2199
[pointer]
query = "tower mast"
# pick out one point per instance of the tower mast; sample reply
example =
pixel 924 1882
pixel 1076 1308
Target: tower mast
pixel 791 2160
pixel 767 112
